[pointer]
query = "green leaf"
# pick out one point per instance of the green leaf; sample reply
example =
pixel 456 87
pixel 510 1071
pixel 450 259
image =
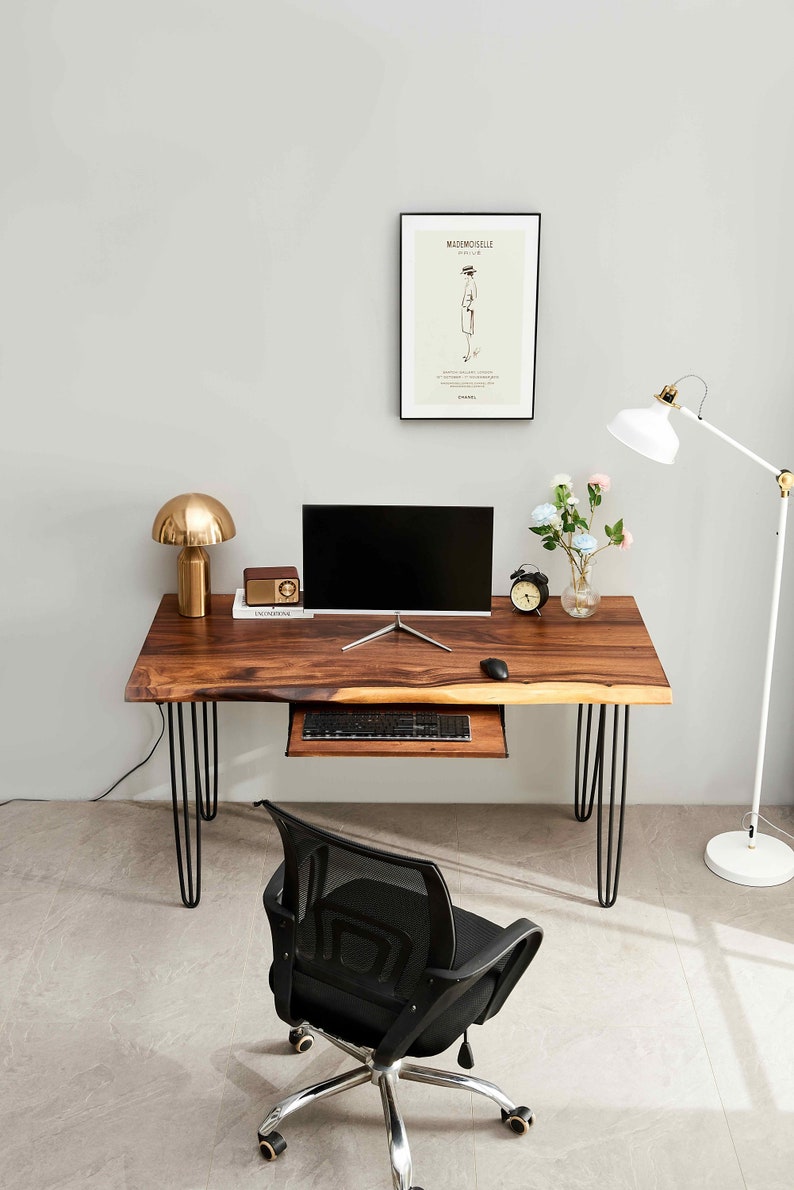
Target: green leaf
pixel 539 529
pixel 549 545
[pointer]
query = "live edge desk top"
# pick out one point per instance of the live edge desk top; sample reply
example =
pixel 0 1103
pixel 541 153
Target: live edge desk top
pixel 608 659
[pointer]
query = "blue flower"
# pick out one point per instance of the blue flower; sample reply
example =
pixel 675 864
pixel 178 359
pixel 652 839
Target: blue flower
pixel 585 543
pixel 542 515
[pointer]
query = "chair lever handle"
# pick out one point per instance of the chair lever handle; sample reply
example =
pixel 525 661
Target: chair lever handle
pixel 465 1053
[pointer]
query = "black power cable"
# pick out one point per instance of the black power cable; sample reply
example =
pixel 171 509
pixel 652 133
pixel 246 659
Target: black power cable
pixel 129 772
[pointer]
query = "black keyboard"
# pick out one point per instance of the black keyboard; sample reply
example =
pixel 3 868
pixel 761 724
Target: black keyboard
pixel 385 725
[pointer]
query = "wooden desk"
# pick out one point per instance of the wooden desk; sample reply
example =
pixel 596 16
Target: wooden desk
pixel 608 660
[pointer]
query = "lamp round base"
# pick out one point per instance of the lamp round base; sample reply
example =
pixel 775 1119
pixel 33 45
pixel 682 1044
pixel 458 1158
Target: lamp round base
pixel 770 861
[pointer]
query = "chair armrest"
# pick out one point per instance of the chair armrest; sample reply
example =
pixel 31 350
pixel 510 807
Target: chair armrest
pixel 522 955
pixel 438 988
pixel 493 952
pixel 282 933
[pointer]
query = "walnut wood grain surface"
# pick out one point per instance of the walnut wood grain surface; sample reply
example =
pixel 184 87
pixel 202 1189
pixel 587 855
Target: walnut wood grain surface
pixel 609 658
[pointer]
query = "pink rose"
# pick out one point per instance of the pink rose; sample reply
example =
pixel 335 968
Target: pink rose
pixel 602 481
pixel 627 541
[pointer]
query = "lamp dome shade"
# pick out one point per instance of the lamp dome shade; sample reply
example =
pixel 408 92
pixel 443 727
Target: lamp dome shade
pixel 647 431
pixel 193 519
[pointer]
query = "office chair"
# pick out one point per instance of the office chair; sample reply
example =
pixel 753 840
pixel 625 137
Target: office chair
pixel 370 953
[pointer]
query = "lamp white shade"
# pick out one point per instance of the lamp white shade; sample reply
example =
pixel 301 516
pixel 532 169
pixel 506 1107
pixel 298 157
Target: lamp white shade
pixel 647 431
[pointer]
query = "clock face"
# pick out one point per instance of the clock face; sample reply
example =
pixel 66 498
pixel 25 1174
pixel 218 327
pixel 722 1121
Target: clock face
pixel 287 588
pixel 525 595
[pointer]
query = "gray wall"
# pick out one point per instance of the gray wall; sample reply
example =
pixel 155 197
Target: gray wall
pixel 199 289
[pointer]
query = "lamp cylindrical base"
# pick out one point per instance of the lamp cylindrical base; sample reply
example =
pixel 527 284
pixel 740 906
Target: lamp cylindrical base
pixel 770 861
pixel 193 578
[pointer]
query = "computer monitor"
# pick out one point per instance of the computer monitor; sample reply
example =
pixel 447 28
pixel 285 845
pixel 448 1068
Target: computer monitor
pixel 398 559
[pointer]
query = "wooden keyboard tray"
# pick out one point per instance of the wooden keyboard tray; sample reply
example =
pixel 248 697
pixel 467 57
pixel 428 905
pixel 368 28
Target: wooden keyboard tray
pixel 488 739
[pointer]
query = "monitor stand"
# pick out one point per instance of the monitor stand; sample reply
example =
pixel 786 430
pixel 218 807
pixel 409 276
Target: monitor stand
pixel 397 626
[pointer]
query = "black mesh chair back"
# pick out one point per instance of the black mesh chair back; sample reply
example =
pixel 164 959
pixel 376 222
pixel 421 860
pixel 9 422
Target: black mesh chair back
pixel 369 951
pixel 367 924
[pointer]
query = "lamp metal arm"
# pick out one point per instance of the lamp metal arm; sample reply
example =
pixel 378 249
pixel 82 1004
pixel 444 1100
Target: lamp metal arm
pixel 732 442
pixel 784 477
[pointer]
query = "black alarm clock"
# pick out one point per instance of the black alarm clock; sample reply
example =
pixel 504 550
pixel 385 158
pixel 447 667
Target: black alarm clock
pixel 529 591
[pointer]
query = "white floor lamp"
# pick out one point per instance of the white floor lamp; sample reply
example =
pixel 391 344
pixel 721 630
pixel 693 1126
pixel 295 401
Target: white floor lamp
pixel 745 857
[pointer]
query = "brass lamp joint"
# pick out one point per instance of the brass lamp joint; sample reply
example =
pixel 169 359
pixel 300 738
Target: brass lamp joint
pixel 668 396
pixel 786 482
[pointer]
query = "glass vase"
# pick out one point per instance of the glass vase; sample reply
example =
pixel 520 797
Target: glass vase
pixel 580 598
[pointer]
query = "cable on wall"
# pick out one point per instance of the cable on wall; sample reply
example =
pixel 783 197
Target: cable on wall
pixel 115 784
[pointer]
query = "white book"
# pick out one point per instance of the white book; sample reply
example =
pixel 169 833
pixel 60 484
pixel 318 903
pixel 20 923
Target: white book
pixel 280 611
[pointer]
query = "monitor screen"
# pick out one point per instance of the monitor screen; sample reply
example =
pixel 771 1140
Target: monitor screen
pixel 397 558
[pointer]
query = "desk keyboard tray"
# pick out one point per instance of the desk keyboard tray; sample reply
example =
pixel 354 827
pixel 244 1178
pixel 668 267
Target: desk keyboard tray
pixel 487 735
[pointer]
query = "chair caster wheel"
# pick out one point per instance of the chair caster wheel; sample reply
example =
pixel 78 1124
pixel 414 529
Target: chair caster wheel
pixel 519 1120
pixel 272 1145
pixel 300 1040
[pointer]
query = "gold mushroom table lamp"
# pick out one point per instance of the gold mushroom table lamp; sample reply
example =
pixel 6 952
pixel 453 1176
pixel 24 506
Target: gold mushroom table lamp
pixel 193 520
pixel 745 856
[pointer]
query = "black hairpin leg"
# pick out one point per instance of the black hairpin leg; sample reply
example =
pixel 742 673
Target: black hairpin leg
pixel 208 803
pixel 591 780
pixel 188 851
pixel 582 803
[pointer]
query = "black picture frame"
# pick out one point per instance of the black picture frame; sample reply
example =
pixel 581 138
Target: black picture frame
pixel 468 316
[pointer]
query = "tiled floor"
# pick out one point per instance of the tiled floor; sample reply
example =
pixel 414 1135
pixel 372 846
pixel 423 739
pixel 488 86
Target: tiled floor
pixel 139 1048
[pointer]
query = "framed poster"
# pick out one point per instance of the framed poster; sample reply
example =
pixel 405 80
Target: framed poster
pixel 469 306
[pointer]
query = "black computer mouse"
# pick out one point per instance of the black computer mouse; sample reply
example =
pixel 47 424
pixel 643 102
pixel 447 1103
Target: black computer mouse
pixel 495 668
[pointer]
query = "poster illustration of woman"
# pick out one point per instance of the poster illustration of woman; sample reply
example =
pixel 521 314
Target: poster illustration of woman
pixel 467 310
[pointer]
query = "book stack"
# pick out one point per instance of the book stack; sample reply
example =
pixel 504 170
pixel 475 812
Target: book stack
pixel 278 611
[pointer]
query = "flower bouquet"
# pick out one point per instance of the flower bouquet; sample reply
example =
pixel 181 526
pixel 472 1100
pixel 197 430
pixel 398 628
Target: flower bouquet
pixel 562 524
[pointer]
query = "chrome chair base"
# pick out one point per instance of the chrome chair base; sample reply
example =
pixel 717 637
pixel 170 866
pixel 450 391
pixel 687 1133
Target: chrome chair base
pixel 386 1078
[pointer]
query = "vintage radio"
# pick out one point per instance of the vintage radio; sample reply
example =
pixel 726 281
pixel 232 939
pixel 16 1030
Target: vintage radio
pixel 266 586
